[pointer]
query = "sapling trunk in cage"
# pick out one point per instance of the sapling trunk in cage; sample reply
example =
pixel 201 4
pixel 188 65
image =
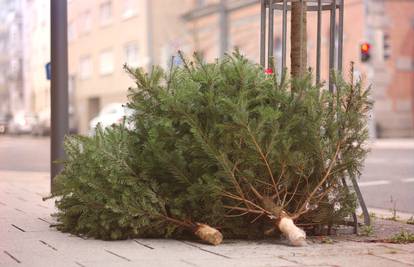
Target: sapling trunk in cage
pixel 298 39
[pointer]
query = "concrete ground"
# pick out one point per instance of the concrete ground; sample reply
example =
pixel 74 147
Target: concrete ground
pixel 27 240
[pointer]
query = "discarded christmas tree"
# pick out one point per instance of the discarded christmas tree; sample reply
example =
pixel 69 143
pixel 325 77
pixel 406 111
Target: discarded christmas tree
pixel 101 195
pixel 222 144
pixel 279 154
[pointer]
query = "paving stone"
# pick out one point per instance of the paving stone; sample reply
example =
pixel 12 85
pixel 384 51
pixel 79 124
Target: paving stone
pixel 395 248
pixel 401 247
pixel 246 249
pixel 7 260
pixel 47 261
pixel 30 252
pixel 136 263
pixel 174 249
pixel 347 261
pixel 270 249
pixel 30 224
pixel 407 258
pixel 251 262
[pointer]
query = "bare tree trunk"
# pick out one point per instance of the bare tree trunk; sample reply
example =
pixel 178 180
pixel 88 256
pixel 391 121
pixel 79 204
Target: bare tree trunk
pixel 298 39
pixel 295 235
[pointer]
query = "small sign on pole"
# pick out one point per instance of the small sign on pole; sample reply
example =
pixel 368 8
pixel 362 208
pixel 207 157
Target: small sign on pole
pixel 48 68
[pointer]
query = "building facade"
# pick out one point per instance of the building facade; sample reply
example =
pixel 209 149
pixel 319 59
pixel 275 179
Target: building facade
pixel 36 54
pixel 25 50
pixel 103 35
pixel 391 25
pixel 12 93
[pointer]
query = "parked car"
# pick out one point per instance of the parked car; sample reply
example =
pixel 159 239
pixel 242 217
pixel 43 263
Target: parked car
pixel 4 121
pixel 22 123
pixel 110 114
pixel 42 127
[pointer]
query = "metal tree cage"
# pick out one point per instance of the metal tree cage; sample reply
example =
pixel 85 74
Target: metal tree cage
pixel 336 26
pixel 334 7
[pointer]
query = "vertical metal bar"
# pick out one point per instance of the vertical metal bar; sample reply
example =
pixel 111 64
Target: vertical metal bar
pixel 262 32
pixel 224 33
pixel 150 37
pixel 301 40
pixel 270 35
pixel 318 43
pixel 367 219
pixel 354 216
pixel 59 84
pixel 340 35
pixel 332 43
pixel 284 33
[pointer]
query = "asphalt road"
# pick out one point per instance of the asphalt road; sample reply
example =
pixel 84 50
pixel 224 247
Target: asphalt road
pixel 23 153
pixel 387 180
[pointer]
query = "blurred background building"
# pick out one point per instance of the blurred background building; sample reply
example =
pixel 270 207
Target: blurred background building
pixel 36 32
pixel 105 34
pixel 12 93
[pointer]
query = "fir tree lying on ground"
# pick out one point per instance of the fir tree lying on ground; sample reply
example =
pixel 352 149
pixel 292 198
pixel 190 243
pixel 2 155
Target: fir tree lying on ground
pixel 101 195
pixel 222 144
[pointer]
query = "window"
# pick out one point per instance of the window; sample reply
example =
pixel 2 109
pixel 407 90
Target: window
pixel 14 31
pixel 71 31
pixel 14 65
pixel 200 3
pixel 105 13
pixel 131 54
pixel 2 79
pixel 86 22
pixel 130 9
pixel 2 44
pixel 106 62
pixel 85 68
pixel 405 63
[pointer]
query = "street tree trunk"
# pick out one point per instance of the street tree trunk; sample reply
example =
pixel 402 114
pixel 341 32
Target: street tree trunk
pixel 298 39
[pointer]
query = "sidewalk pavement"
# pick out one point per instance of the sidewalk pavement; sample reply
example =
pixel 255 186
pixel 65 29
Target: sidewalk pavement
pixel 392 143
pixel 27 240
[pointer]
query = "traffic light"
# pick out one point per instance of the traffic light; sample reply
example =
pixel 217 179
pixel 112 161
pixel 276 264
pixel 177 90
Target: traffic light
pixel 365 52
pixel 386 46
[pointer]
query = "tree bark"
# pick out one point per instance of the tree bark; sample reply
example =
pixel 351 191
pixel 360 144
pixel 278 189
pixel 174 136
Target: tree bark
pixel 295 235
pixel 298 39
pixel 208 234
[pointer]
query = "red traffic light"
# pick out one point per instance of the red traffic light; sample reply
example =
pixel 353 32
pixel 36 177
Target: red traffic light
pixel 365 47
pixel 365 52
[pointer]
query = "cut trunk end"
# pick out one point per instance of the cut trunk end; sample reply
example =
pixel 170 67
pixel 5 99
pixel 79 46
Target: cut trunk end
pixel 296 236
pixel 208 234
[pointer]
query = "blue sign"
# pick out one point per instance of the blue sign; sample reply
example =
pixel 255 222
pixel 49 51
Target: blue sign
pixel 48 71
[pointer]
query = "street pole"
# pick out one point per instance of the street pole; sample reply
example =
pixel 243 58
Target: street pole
pixel 59 84
pixel 224 31
pixel 150 36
